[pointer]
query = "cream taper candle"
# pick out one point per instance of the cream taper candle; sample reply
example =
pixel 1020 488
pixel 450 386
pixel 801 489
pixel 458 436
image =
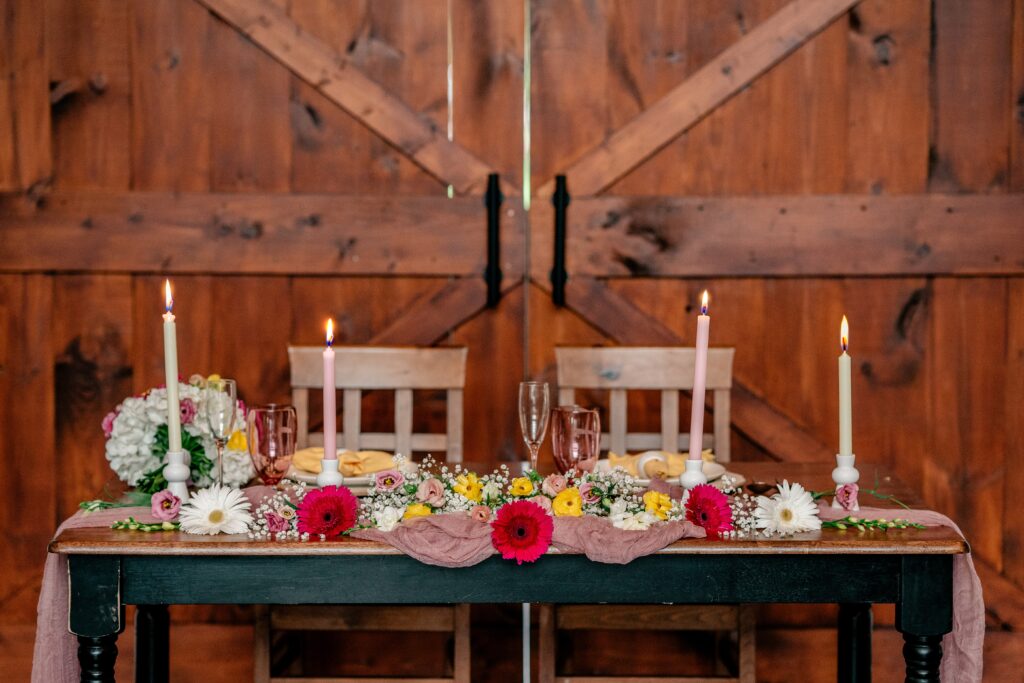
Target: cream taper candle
pixel 700 373
pixel 171 373
pixel 330 409
pixel 845 398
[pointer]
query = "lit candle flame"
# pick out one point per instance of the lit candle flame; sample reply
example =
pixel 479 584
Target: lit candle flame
pixel 168 299
pixel 330 332
pixel 844 334
pixel 704 303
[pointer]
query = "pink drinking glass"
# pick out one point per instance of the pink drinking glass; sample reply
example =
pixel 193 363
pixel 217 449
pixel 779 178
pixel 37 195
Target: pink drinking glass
pixel 272 440
pixel 575 438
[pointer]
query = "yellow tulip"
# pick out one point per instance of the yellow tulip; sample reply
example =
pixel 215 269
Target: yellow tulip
pixel 522 486
pixel 658 504
pixel 568 503
pixel 469 486
pixel 417 510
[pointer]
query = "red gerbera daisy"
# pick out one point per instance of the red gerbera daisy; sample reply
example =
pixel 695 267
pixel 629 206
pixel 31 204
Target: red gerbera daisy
pixel 709 508
pixel 521 531
pixel 329 511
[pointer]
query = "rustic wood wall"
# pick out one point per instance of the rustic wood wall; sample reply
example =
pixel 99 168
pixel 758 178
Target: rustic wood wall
pixel 871 165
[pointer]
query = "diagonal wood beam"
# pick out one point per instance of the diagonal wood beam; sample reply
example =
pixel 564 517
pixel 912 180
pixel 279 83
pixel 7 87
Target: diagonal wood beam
pixel 340 81
pixel 617 317
pixel 700 94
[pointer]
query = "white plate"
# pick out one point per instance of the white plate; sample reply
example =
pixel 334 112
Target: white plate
pixel 306 477
pixel 712 470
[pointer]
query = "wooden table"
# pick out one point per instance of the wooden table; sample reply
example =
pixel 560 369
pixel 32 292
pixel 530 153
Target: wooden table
pixel 911 568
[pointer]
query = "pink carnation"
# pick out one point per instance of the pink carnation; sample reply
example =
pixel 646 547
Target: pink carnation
pixel 553 485
pixel 276 523
pixel 481 513
pixel 544 502
pixel 188 410
pixel 164 505
pixel 588 494
pixel 431 492
pixel 108 423
pixel 847 495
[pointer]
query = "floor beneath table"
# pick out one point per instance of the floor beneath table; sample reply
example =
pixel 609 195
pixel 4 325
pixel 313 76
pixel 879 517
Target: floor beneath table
pixel 789 640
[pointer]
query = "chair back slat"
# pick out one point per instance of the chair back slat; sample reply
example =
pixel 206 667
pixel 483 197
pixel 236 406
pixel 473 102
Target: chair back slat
pixel 400 369
pixel 668 369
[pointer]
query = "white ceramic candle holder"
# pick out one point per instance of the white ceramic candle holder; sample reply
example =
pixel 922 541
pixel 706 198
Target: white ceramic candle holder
pixel 693 475
pixel 176 472
pixel 329 474
pixel 845 473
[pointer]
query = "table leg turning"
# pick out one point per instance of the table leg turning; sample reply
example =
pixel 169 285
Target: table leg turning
pixel 96 614
pixel 152 633
pixel 924 613
pixel 96 656
pixel 854 655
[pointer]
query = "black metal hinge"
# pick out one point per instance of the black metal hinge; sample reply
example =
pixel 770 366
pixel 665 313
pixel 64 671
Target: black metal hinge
pixel 492 273
pixel 559 276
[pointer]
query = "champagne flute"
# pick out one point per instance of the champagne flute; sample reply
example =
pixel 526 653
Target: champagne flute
pixel 220 407
pixel 534 408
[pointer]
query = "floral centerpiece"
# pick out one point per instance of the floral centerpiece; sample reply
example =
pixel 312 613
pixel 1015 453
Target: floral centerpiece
pixel 136 432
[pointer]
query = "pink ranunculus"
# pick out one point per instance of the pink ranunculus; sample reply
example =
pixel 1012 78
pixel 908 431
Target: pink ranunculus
pixel 188 410
pixel 544 502
pixel 588 494
pixel 431 492
pixel 276 523
pixel 481 513
pixel 389 480
pixel 164 505
pixel 108 423
pixel 553 485
pixel 847 495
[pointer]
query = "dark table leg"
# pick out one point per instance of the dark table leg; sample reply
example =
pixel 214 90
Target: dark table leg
pixel 854 658
pixel 96 614
pixel 96 656
pixel 924 613
pixel 152 633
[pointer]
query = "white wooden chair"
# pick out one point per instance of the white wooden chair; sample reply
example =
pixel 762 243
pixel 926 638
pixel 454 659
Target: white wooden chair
pixel 668 370
pixel 402 370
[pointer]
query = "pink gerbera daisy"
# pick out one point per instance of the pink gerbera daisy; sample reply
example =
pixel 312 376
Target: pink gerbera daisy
pixel 329 511
pixel 521 531
pixel 709 508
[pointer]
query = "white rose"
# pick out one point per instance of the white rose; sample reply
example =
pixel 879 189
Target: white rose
pixel 389 517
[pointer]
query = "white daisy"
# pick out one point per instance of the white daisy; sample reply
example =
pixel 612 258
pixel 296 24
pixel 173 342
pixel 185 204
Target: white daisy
pixel 218 509
pixel 789 511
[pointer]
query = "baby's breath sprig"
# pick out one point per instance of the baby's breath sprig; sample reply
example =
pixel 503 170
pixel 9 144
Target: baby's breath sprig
pixel 860 524
pixel 131 524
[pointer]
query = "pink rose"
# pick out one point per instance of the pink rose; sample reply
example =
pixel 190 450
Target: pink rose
pixel 431 492
pixel 544 502
pixel 389 480
pixel 480 513
pixel 276 523
pixel 188 410
pixel 847 495
pixel 588 494
pixel 164 505
pixel 108 423
pixel 553 485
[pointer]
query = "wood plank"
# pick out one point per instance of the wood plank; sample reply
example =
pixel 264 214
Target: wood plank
pixel 806 236
pixel 250 233
pixel 91 129
pixel 646 617
pixel 1004 600
pixel 436 313
pixel 889 56
pixel 171 95
pixel 767 44
pixel 640 367
pixel 1013 516
pixel 9 180
pixel 26 437
pixel 380 367
pixel 332 151
pixel 91 343
pixel 971 68
pixel 29 93
pixel 333 75
pixel 1017 94
pixel 362 618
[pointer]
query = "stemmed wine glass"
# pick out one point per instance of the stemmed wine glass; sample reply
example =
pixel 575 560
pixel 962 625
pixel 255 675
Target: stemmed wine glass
pixel 534 407
pixel 271 432
pixel 575 438
pixel 220 407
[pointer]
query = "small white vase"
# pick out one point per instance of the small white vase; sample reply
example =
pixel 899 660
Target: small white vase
pixel 329 474
pixel 845 473
pixel 693 475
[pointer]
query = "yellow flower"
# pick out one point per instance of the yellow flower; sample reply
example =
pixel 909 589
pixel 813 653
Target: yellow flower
pixel 237 441
pixel 568 503
pixel 658 504
pixel 469 486
pixel 416 510
pixel 522 486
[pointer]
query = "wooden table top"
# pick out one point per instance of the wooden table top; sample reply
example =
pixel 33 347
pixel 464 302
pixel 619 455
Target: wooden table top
pixel 931 541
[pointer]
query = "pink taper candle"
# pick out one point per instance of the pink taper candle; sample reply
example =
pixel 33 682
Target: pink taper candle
pixel 330 410
pixel 700 375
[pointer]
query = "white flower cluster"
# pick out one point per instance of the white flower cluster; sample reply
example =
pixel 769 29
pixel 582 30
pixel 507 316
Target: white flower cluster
pixel 622 518
pixel 133 428
pixel 280 506
pixel 791 510
pixel 617 493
